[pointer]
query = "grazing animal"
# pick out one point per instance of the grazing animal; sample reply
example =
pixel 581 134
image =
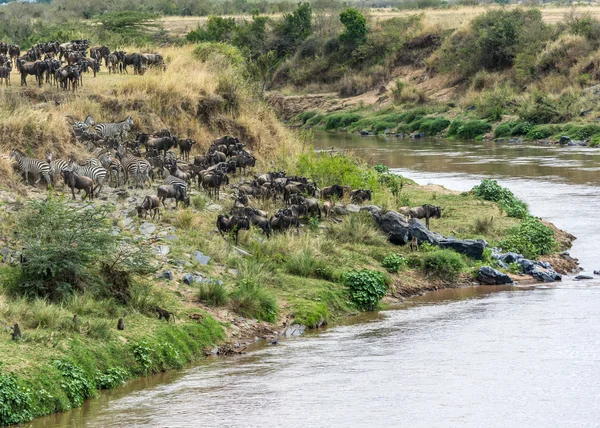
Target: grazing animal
pixel 16 332
pixel 327 207
pixel 95 171
pixel 213 182
pixel 79 182
pixel 171 192
pixel 115 129
pixel 149 204
pixel 5 73
pixel 233 224
pixel 56 166
pixel 425 211
pixel 185 147
pixel 283 222
pixel 133 166
pixel 164 314
pixel 35 166
pixel 161 144
pixel 331 191
pixel 121 324
pixel 359 196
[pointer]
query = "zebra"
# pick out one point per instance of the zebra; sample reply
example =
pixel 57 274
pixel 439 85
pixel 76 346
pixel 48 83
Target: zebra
pixel 113 166
pixel 133 166
pixel 93 162
pixel 96 173
pixel 35 166
pixel 177 183
pixel 56 166
pixel 114 130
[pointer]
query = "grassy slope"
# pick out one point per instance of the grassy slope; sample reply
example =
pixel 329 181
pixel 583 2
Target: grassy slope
pixel 303 270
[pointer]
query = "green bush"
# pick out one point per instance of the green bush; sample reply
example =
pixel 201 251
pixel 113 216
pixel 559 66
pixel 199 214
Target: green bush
pixel 252 300
pixel 367 287
pixel 15 401
pixel 111 378
pixel 75 382
pixel 393 262
pixel 432 125
pixel 531 238
pixel 212 293
pixel 490 190
pixel 204 51
pixel 327 169
pixel 504 129
pixel 315 120
pixel 381 168
pixel 539 132
pixel 468 129
pixel 341 120
pixel 303 117
pixel 443 264
pixel 582 132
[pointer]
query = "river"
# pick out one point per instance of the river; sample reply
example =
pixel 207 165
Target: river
pixel 483 356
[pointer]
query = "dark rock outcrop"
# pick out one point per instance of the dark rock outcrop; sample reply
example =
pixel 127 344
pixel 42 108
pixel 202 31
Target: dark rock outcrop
pixel 491 276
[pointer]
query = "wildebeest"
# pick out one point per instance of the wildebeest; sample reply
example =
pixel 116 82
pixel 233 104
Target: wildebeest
pixel 100 52
pixel 185 147
pixel 171 192
pixel 152 60
pixel 149 204
pixel 162 144
pixel 297 188
pixel 212 182
pixel 331 191
pixel 327 207
pixel 30 68
pixel 76 181
pixel 425 211
pixel 359 196
pixel 233 224
pixel 134 59
pixel 283 222
pixel 5 73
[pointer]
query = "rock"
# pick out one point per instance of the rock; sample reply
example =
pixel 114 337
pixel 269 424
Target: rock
pixel 509 258
pixel 147 228
pixel 597 272
pixel 214 208
pixel 545 276
pixel 394 225
pixel 418 229
pixel 516 141
pixel 233 271
pixel 353 208
pixel 295 330
pixel 370 209
pixel 340 210
pixel 564 139
pixel 161 250
pixel 527 265
pixel 366 133
pixel 189 278
pixel 417 135
pixel 577 143
pixel 469 247
pixel 167 275
pixel 201 258
pixel 171 237
pixel 5 251
pixel 116 231
pixel 127 222
pixel 545 265
pixel 580 277
pixel 491 276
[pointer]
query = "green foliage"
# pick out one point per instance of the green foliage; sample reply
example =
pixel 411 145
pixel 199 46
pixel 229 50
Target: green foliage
pixel 142 353
pixel 327 169
pixel 432 125
pixel 367 288
pixel 252 300
pixel 213 293
pixel 127 26
pixel 393 262
pixel 75 382
pixel 217 29
pixel 355 28
pixel 205 51
pixel 512 128
pixel 443 264
pixel 341 120
pixel 542 131
pixel 530 238
pixel 15 401
pixel 381 168
pixel 582 132
pixel 515 268
pixel 293 29
pixel 493 104
pixel 62 244
pixel 111 378
pixel 490 190
pixel 468 129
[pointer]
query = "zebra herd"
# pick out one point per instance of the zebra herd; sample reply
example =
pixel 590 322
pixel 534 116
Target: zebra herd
pixel 64 63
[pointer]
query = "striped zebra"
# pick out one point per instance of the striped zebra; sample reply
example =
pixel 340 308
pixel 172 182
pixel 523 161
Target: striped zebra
pixel 177 183
pixel 133 166
pixel 93 162
pixel 80 127
pixel 57 166
pixel 35 166
pixel 113 166
pixel 96 173
pixel 115 130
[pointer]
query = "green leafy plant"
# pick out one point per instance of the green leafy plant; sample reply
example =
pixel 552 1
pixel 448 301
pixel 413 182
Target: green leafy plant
pixel 443 264
pixel 531 238
pixel 252 300
pixel 393 262
pixel 367 287
pixel 468 129
pixel 142 353
pixel 490 190
pixel 74 382
pixel 15 401
pixel 111 378
pixel 381 168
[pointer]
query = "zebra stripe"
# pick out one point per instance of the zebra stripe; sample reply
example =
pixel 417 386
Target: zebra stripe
pixel 35 166
pixel 136 167
pixel 96 173
pixel 177 183
pixel 114 129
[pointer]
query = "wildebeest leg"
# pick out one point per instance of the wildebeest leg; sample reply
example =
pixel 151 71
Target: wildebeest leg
pixel 73 191
pixel 427 221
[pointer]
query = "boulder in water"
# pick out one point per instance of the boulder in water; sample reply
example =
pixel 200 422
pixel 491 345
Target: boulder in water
pixel 491 276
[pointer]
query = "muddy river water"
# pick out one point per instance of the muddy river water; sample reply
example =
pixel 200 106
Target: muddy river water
pixel 478 357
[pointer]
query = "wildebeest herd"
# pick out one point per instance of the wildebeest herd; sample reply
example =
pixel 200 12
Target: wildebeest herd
pixel 63 64
pixel 116 161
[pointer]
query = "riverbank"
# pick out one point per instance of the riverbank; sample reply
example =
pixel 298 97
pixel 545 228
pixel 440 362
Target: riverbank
pixel 222 293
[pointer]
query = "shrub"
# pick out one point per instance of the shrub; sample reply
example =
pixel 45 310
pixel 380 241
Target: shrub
pixel 341 120
pixel 111 378
pixel 327 169
pixel 351 85
pixel 303 117
pixel 539 109
pixel 490 190
pixel 253 301
pixel 432 125
pixel 483 225
pixel 393 262
pixel 74 382
pixel 531 238
pixel 204 51
pixel 493 104
pixel 542 131
pixel 381 168
pixel 212 293
pixel 443 264
pixel 367 287
pixel 582 132
pixel 15 401
pixel 315 120
pixel 468 129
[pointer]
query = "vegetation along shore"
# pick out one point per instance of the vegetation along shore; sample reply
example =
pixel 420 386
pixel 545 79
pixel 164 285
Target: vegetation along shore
pixel 155 209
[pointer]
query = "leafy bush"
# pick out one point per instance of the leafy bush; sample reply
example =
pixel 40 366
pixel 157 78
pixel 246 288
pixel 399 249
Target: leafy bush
pixel 468 129
pixel 15 401
pixel 493 104
pixel 367 287
pixel 443 264
pixel 315 120
pixel 341 120
pixel 542 131
pixel 531 238
pixel 432 125
pixel 303 117
pixel 582 132
pixel 490 190
pixel 212 293
pixel 111 378
pixel 204 51
pixel 381 168
pixel 251 300
pixel 327 169
pixel 142 353
pixel 562 54
pixel 393 262
pixel 75 382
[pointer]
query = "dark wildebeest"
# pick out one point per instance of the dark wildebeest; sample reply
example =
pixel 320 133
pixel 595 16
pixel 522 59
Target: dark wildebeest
pixel 212 182
pixel 425 211
pixel 297 188
pixel 331 191
pixel 359 196
pixel 256 217
pixel 5 73
pixel 185 147
pixel 93 64
pixel 149 204
pixel 134 59
pixel 283 222
pixel 27 68
pixel 102 52
pixel 161 144
pixel 14 51
pixel 172 192
pixel 233 224
pixel 76 181
pixel 153 60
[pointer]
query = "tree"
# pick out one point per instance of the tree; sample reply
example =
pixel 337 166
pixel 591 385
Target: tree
pixel 293 29
pixel 355 28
